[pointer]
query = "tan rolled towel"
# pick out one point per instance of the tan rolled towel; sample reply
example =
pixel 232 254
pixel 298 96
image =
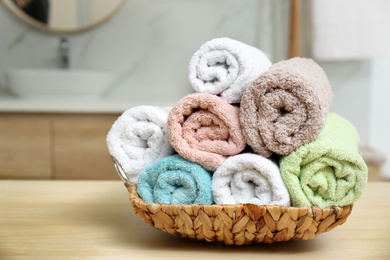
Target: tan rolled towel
pixel 285 107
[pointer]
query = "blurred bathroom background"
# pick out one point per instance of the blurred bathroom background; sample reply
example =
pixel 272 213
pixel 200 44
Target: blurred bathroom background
pixel 145 47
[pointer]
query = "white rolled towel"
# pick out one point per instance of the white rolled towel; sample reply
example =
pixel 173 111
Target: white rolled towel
pixel 249 178
pixel 226 67
pixel 139 138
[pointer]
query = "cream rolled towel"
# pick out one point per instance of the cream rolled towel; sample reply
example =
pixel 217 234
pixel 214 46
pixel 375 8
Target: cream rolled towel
pixel 226 67
pixel 139 138
pixel 285 107
pixel 205 129
pixel 249 178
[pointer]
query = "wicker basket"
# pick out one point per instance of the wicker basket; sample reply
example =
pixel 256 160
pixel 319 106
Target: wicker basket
pixel 238 224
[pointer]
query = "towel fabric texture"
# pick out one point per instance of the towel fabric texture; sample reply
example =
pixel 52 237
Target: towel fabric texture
pixel 174 180
pixel 139 138
pixel 285 107
pixel 249 178
pixel 328 171
pixel 226 67
pixel 205 129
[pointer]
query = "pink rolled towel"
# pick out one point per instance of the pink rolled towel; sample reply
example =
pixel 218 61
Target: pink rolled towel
pixel 205 129
pixel 285 107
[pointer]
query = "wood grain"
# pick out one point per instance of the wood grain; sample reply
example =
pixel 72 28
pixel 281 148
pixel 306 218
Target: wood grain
pixel 55 146
pixel 94 220
pixel 295 29
pixel 25 146
pixel 80 149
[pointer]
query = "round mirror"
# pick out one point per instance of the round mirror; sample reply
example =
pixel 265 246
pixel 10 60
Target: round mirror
pixel 62 16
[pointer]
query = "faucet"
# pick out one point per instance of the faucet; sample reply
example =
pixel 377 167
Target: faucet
pixel 64 52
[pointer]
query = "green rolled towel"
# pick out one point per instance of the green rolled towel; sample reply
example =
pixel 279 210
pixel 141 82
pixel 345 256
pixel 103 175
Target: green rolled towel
pixel 329 171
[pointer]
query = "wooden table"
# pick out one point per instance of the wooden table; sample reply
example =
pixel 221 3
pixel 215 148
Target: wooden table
pixel 94 220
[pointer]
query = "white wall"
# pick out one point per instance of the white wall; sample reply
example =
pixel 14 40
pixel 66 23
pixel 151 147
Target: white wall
pixel 350 81
pixel 96 9
pixel 380 111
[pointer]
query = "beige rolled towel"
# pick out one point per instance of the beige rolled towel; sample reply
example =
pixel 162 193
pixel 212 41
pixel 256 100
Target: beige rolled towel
pixel 285 107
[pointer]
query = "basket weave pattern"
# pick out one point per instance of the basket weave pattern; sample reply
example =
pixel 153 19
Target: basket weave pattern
pixel 238 224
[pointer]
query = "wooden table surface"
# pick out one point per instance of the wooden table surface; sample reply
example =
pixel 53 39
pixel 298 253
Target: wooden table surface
pixel 94 220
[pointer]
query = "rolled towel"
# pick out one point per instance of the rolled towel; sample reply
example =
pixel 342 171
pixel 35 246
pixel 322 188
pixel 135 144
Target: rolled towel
pixel 139 138
pixel 205 129
pixel 328 171
pixel 286 107
pixel 174 180
pixel 226 67
pixel 249 178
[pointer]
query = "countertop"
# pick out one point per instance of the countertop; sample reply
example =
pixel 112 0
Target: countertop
pixel 75 105
pixel 95 220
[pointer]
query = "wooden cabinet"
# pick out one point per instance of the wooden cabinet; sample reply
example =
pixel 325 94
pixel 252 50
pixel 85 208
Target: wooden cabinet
pixel 80 150
pixel 25 151
pixel 55 146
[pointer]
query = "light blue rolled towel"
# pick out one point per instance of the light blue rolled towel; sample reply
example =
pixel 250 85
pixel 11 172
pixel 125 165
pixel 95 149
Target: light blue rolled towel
pixel 174 180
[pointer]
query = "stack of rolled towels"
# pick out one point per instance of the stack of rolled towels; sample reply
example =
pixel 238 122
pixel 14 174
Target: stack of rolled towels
pixel 254 132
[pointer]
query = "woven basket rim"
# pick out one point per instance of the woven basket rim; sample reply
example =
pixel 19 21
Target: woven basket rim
pixel 132 189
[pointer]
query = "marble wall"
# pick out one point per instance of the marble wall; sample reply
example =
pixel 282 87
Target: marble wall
pixel 147 46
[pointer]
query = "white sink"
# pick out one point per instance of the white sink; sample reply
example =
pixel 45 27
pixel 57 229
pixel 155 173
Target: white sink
pixel 56 83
